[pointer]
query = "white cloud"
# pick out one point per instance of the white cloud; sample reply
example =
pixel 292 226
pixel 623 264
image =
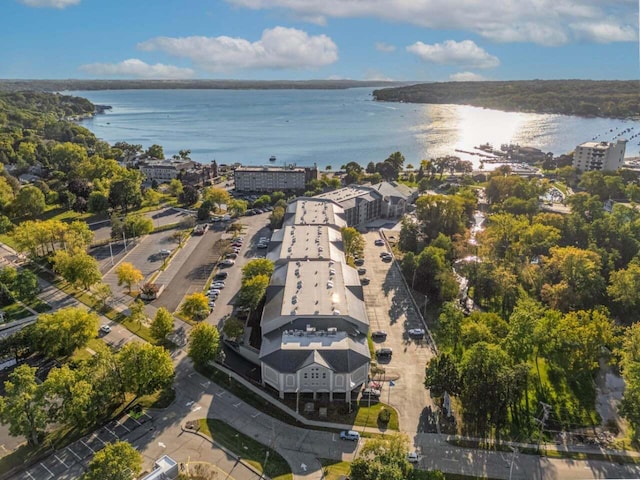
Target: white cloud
pixel 278 47
pixel 134 67
pixel 450 52
pixel 546 22
pixel 50 3
pixel 604 32
pixel 385 47
pixel 376 76
pixel 466 77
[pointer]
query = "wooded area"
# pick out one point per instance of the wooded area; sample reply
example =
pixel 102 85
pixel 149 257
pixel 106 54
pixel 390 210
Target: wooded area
pixel 594 98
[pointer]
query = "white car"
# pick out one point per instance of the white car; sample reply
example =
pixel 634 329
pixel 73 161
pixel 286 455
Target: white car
pixel 105 328
pixel 416 332
pixel 214 291
pixel 228 262
pixel 413 457
pixel 217 285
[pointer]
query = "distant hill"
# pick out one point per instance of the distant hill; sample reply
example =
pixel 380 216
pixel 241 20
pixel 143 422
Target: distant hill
pixel 595 98
pixel 62 85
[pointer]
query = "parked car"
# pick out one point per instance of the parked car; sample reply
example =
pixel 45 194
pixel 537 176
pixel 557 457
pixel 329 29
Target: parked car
pixel 218 285
pixel 262 245
pixel 384 254
pixel 349 435
pixel 365 281
pixel 221 275
pixel 227 262
pixel 214 291
pixel 362 271
pixel 231 255
pixel 374 385
pixel 358 262
pixel 105 329
pixel 413 457
pixel 379 335
pixel 387 258
pixel 384 353
pixel 371 392
pixel 379 242
pixel 416 332
pixel 165 253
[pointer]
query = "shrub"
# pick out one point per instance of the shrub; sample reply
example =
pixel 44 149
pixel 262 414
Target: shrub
pixel 384 416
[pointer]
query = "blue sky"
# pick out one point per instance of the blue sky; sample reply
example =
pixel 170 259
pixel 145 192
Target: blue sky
pixel 431 40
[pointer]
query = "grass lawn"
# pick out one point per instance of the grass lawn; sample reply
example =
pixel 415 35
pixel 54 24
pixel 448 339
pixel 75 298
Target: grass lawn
pixel 38 305
pixel 334 469
pixel 94 344
pixel 15 311
pixel 8 240
pixel 250 450
pixel 368 416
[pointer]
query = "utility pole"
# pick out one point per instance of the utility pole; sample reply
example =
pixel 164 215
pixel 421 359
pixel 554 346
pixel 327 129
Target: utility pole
pixel 546 408
pixel 111 252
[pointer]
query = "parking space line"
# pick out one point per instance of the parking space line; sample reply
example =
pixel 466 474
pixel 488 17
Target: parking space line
pixel 111 432
pixel 123 426
pixel 254 416
pixel 135 420
pixel 74 453
pixel 237 404
pixel 62 462
pixel 147 415
pixel 30 476
pixel 92 450
pixel 101 441
pixel 50 472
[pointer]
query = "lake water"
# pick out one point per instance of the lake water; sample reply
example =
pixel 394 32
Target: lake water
pixel 327 127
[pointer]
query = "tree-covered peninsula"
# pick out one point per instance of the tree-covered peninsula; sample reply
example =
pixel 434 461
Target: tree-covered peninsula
pixel 596 98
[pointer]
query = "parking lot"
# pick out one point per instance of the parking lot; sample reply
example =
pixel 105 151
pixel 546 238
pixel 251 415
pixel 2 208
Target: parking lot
pixel 145 256
pixel 71 461
pixel 389 308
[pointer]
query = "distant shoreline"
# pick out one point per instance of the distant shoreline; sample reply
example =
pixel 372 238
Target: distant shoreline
pixel 76 85
pixel 619 99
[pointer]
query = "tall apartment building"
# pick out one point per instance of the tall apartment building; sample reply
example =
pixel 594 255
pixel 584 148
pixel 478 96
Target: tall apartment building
pixel 272 178
pixel 599 156
pixel 314 324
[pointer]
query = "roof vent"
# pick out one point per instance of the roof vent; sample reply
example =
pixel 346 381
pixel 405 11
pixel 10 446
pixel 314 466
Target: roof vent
pixel 332 330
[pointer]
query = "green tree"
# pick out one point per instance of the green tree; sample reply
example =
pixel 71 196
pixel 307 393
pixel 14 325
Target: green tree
pixel 217 196
pixel 102 292
pixel 145 368
pixel 258 266
pixel 176 187
pixel 484 373
pixel 126 192
pixel 26 286
pixel 624 288
pixel 233 328
pixel 62 332
pixel 630 366
pixel 252 291
pixel 98 202
pixel 128 275
pixel 29 202
pixel 195 306
pixel 237 207
pixel 162 324
pixel 353 241
pixel 78 268
pixel 383 458
pixel 67 156
pixel 204 344
pixel 137 315
pixel 189 195
pixel 155 151
pixel 22 406
pixel 116 461
pixel 69 395
pixel 276 218
pixel 442 375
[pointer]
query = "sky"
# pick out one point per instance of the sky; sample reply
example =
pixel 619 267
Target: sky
pixel 402 40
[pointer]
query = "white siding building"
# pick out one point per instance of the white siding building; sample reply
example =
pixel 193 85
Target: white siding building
pixel 599 156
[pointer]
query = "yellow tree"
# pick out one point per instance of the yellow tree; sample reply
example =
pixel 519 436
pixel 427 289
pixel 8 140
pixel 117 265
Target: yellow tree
pixel 128 275
pixel 195 306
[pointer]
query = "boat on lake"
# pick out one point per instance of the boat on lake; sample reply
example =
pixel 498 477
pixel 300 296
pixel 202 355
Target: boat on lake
pixel 272 158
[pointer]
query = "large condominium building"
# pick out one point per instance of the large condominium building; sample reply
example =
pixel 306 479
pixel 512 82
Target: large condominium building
pixel 271 179
pixel 164 170
pixel 314 324
pixel 599 156
pixel 363 203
